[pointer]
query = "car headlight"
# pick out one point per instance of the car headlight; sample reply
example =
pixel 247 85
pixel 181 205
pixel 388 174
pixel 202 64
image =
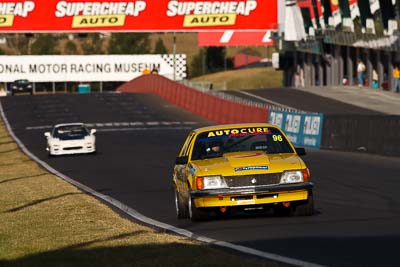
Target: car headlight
pixel 290 177
pixel 29 86
pixel 210 182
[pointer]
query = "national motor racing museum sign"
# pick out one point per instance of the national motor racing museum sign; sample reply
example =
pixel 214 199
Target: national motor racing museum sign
pixel 140 15
pixel 101 68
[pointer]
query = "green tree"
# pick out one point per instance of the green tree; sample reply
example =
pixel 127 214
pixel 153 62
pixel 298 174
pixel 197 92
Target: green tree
pixel 19 43
pixel 215 58
pixel 71 48
pixel 209 60
pixel 160 47
pixel 92 44
pixel 198 66
pixel 45 44
pixel 129 43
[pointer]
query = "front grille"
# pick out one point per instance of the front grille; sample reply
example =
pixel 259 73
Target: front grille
pixel 253 180
pixel 72 148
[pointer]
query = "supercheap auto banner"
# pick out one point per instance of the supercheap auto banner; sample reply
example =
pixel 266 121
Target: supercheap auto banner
pixel 301 128
pixel 139 15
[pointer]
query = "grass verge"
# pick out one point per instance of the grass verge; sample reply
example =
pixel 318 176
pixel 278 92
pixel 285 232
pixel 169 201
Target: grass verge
pixel 45 221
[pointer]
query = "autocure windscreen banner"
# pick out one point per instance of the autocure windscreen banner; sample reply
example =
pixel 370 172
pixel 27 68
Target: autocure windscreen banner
pixel 138 15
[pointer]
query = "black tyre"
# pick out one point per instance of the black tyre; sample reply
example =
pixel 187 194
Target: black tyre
pixel 282 211
pixel 196 214
pixel 48 152
pixel 182 211
pixel 306 208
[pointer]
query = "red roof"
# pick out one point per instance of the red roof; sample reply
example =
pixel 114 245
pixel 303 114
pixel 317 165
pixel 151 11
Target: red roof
pixel 241 60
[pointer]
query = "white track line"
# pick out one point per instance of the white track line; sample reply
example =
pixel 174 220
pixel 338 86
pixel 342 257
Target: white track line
pixel 140 217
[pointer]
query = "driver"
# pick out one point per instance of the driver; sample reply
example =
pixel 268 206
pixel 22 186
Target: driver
pixel 215 147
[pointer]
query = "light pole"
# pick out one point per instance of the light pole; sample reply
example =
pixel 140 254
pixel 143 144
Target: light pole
pixel 174 52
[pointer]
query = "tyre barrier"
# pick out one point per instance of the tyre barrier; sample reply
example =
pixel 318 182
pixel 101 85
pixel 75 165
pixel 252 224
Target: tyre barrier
pixel 205 105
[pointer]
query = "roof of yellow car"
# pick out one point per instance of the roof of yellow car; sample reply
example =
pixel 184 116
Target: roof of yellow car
pixel 237 125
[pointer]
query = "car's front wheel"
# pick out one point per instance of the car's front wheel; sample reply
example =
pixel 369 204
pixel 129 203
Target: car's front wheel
pixel 305 209
pixel 196 214
pixel 181 210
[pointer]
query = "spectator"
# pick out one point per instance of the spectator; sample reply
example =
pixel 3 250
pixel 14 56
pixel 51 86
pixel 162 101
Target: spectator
pixel 396 78
pixel 154 70
pixel 146 71
pixel 375 79
pixel 301 74
pixel 297 81
pixel 360 72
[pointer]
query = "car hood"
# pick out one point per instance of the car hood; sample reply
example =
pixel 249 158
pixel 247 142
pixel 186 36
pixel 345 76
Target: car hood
pixel 250 162
pixel 72 141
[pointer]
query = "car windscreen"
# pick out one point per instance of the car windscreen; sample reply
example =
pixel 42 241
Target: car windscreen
pixel 22 82
pixel 217 142
pixel 70 132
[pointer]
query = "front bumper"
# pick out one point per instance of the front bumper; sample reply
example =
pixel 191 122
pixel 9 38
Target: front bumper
pixel 251 195
pixel 21 90
pixel 71 150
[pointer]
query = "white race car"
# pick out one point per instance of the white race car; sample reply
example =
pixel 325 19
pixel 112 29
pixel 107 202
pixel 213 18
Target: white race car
pixel 70 138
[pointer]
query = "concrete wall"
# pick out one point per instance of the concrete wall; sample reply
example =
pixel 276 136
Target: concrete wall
pixel 377 134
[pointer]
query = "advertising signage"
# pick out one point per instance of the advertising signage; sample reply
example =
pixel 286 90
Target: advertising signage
pixel 136 15
pixel 89 68
pixel 301 128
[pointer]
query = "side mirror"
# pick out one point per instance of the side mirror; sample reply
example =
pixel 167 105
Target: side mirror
pixel 300 151
pixel 47 134
pixel 93 131
pixel 181 160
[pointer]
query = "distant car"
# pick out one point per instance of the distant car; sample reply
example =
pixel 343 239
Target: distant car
pixel 241 166
pixel 21 86
pixel 70 138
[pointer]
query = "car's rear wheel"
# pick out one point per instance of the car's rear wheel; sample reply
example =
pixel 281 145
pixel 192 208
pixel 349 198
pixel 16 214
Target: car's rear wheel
pixel 196 214
pixel 181 210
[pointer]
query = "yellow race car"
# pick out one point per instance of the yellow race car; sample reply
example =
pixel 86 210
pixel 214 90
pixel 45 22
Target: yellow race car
pixel 247 166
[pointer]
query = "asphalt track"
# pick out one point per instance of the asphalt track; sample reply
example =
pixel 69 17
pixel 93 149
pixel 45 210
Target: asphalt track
pixel 139 135
pixel 302 100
